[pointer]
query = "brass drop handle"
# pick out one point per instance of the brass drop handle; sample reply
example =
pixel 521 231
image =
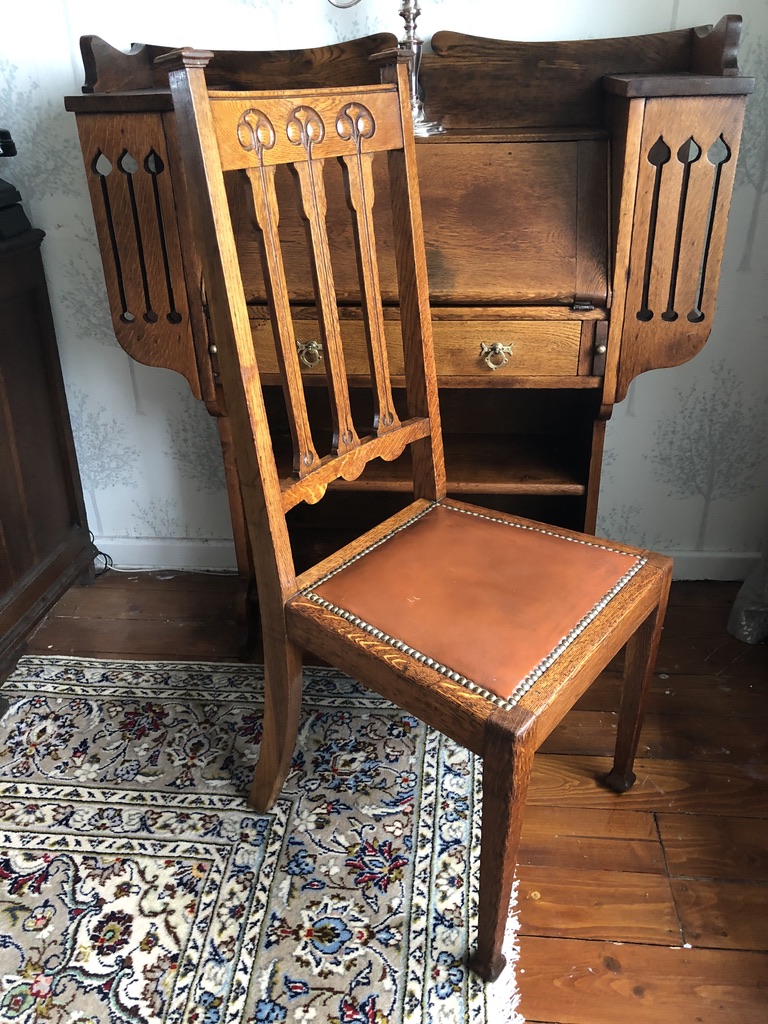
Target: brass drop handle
pixel 496 354
pixel 310 353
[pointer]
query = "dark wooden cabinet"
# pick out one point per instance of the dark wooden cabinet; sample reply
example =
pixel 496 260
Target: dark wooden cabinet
pixel 44 540
pixel 574 214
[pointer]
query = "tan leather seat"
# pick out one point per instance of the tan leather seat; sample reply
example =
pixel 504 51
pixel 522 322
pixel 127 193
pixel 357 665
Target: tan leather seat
pixel 487 601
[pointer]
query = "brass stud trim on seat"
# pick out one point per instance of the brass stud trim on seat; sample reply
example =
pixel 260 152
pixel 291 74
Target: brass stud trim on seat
pixel 400 645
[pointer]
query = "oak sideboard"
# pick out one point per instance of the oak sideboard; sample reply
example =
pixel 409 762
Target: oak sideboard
pixel 575 210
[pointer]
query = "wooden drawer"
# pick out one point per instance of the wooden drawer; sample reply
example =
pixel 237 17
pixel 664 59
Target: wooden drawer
pixel 506 348
pixel 483 349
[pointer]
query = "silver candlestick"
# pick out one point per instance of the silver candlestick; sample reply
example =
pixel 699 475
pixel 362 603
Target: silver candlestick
pixel 409 12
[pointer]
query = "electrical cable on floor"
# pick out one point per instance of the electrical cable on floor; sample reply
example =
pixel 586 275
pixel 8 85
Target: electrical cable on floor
pixel 110 565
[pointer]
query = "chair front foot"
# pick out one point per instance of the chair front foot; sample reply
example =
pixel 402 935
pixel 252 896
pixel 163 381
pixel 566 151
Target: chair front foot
pixel 618 781
pixel 488 968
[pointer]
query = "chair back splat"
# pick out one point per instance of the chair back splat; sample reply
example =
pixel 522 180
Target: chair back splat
pixel 486 626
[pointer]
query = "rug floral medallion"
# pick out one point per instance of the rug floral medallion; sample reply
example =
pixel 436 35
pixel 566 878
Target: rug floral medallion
pixel 136 885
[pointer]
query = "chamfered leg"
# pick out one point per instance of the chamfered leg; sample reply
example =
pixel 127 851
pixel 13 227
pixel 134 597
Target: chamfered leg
pixel 282 710
pixel 640 658
pixel 507 762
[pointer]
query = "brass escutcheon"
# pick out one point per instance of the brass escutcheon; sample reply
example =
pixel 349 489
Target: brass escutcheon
pixel 310 353
pixel 496 354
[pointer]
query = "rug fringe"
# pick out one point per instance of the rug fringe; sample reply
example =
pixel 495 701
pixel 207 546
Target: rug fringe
pixel 504 997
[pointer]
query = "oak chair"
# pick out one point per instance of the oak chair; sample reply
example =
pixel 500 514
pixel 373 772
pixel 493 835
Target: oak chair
pixel 486 626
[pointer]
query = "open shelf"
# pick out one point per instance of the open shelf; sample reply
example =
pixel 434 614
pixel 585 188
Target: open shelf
pixel 476 464
pixel 496 443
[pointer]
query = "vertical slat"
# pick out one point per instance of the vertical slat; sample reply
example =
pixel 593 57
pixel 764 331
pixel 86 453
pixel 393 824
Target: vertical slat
pixel 262 181
pixel 358 177
pixel 693 230
pixel 314 209
pixel 729 130
pixel 416 318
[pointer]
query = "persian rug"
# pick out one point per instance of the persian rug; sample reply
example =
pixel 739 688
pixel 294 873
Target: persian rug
pixel 136 885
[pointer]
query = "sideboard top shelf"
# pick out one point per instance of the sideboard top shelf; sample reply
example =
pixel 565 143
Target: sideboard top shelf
pixel 469 82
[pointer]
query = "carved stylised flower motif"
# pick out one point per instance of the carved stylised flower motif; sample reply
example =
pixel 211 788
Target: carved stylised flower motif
pixel 356 122
pixel 255 131
pixel 305 127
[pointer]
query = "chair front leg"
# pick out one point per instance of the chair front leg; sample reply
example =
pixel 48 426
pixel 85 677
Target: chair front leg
pixel 507 762
pixel 639 662
pixel 282 711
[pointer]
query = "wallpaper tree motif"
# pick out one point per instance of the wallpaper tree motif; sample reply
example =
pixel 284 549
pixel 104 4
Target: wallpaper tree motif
pixel 83 296
pixel 159 517
pixel 105 458
pixel 714 443
pixel 195 448
pixel 52 168
pixel 752 168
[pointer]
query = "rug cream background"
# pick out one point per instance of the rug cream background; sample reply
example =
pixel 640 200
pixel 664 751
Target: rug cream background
pixel 149 453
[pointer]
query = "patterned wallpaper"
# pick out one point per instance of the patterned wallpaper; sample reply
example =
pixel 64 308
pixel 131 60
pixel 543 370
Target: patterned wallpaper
pixel 686 466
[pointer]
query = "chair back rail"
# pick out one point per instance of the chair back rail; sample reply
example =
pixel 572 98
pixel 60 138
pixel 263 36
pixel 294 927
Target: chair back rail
pixel 252 134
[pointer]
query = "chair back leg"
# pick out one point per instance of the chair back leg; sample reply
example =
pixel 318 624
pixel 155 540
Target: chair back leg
pixel 282 711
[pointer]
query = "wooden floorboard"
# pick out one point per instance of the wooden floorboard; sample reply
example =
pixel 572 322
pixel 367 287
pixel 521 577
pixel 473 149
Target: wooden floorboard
pixel 582 903
pixel 701 737
pixel 645 908
pixel 575 981
pixel 721 914
pixel 706 846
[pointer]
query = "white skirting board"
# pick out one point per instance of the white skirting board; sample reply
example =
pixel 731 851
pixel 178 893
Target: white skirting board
pixel 168 553
pixel 183 553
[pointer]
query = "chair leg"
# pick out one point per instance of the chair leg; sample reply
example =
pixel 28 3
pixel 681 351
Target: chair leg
pixel 640 658
pixel 507 762
pixel 282 710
